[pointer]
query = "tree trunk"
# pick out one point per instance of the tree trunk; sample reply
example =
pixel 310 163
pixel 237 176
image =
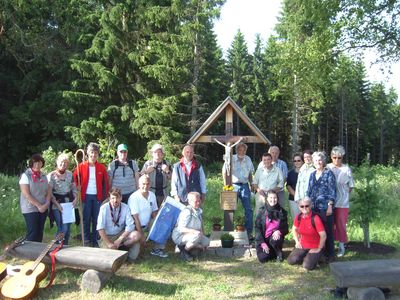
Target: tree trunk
pixel 365 228
pixel 195 83
pixel 295 118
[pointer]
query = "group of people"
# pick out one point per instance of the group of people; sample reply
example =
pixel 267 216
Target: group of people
pixel 318 200
pixel 134 198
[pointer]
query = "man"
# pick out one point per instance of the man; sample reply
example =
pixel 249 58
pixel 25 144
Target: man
pixel 188 233
pixel 143 205
pixel 115 225
pixel 188 176
pixel 304 175
pixel 268 177
pixel 159 171
pixel 242 170
pixel 123 173
pixel 281 165
pixel 92 177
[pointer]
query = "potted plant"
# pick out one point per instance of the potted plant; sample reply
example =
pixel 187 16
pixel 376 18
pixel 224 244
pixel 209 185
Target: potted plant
pixel 216 223
pixel 227 240
pixel 239 222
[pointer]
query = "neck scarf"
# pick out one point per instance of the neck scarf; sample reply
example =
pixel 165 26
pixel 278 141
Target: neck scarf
pixel 274 212
pixel 35 175
pixel 115 220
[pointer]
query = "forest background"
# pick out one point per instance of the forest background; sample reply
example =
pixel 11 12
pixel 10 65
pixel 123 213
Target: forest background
pixel 142 71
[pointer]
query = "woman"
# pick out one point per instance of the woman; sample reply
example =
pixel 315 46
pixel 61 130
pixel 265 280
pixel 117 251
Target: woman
pixel 271 227
pixel 35 198
pixel 344 186
pixel 304 175
pixel 94 189
pixel 188 233
pixel 309 235
pixel 64 191
pixel 291 182
pixel 322 191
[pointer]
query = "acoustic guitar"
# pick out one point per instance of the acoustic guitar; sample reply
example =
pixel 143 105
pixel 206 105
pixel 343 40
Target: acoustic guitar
pixel 25 284
pixel 3 266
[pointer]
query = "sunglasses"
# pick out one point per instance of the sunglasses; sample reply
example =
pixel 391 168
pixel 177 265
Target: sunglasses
pixel 304 206
pixel 337 157
pixel 298 160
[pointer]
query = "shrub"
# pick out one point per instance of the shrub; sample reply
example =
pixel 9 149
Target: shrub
pixel 227 237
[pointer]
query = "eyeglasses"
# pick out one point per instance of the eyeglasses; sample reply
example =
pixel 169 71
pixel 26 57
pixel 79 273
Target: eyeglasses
pixel 304 206
pixel 298 160
pixel 337 157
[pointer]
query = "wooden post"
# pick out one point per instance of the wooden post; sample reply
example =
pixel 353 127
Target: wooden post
pixel 228 214
pixel 93 281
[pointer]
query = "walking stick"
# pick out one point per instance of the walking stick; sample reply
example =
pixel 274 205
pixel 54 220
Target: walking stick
pixel 79 192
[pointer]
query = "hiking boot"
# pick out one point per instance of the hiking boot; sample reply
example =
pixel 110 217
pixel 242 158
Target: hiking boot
pixel 185 254
pixel 159 253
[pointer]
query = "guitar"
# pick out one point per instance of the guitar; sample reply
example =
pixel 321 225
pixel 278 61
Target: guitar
pixel 25 284
pixel 3 266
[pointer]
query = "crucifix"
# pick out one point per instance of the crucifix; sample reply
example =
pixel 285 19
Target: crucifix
pixel 228 141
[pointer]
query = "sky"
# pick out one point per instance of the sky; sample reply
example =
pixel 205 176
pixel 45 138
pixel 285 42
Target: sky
pixel 260 16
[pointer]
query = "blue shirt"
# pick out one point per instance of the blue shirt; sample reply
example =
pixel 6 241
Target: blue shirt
pixel 323 190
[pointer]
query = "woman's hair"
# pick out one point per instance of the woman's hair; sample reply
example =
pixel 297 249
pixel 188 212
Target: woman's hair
pixel 115 192
pixel 307 151
pixel 272 192
pixel 319 154
pixel 62 157
pixel 299 155
pixel 93 147
pixel 338 150
pixel 143 178
pixel 35 158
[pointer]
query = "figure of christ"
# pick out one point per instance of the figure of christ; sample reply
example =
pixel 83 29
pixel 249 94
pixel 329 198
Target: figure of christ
pixel 227 156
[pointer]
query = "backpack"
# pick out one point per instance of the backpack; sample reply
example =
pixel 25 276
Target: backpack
pixel 313 213
pixel 117 164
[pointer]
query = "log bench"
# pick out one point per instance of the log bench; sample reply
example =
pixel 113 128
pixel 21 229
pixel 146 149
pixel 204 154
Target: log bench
pixel 362 278
pixel 99 264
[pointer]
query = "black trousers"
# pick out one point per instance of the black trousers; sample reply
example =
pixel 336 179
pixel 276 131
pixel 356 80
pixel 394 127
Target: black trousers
pixel 275 248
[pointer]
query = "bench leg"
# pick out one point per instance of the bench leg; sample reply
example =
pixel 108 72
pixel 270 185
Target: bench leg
pixel 365 293
pixel 93 281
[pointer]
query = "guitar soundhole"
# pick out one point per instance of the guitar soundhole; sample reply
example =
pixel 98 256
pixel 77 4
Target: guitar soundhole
pixel 29 272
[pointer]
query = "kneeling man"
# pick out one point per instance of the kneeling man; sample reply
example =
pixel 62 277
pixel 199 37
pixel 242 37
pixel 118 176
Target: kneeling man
pixel 116 227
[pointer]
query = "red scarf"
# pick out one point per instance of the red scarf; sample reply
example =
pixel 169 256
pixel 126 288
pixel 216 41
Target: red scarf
pixel 36 175
pixel 193 166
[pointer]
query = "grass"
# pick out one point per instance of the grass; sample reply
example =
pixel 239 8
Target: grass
pixel 209 278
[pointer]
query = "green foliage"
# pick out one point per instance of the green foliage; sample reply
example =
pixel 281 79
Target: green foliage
pixel 227 237
pixel 50 157
pixel 238 219
pixel 366 201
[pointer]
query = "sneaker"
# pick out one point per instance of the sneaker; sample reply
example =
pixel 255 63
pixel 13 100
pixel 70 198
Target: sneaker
pixel 341 250
pixel 159 253
pixel 185 254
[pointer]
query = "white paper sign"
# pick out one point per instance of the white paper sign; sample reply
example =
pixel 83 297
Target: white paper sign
pixel 68 213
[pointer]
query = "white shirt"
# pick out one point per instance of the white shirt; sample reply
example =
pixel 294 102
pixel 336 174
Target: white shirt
pixel 142 206
pixel 92 188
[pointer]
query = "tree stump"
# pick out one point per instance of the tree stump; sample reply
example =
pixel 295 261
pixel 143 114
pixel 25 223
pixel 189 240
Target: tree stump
pixel 93 281
pixel 367 293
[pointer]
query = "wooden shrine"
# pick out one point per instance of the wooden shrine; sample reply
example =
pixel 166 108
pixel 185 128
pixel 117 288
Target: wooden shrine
pixel 228 106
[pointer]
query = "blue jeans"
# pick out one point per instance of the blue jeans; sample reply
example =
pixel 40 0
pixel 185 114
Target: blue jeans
pixel 61 227
pixel 243 192
pixel 91 208
pixel 328 223
pixel 35 226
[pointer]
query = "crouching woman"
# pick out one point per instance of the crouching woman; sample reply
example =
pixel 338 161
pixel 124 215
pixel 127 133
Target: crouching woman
pixel 309 235
pixel 188 233
pixel 271 228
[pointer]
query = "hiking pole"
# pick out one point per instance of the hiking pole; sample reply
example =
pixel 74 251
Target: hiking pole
pixel 79 191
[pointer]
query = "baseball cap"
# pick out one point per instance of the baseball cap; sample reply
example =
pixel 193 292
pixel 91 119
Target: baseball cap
pixel 122 147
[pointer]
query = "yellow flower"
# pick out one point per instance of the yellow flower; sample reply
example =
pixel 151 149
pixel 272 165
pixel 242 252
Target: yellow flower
pixel 227 188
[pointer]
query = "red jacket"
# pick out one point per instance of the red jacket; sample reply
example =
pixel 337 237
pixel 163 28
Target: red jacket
pixel 101 180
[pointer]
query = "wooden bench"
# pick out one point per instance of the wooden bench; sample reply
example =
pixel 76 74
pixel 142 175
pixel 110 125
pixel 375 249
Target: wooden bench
pixel 362 278
pixel 99 264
